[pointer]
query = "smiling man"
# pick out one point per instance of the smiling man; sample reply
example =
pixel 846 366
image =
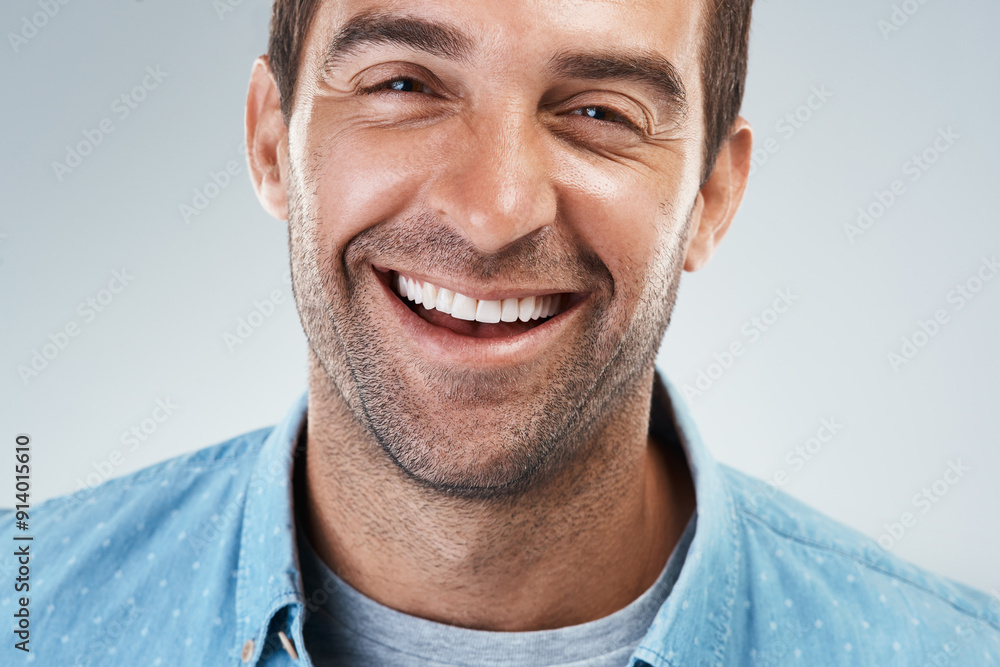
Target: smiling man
pixel 490 205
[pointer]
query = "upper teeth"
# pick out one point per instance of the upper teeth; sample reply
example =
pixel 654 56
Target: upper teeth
pixel 466 308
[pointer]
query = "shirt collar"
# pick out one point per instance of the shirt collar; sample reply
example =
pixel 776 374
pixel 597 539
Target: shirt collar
pixel 699 617
pixel 268 579
pixel 699 612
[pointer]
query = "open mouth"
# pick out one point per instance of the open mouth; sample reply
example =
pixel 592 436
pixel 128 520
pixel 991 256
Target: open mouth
pixel 477 318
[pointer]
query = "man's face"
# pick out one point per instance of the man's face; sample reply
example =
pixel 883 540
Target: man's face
pixel 499 150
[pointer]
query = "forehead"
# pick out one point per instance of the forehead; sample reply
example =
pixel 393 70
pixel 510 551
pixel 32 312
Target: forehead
pixel 531 30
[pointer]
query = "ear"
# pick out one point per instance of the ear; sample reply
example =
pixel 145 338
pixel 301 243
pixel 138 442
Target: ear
pixel 267 140
pixel 720 197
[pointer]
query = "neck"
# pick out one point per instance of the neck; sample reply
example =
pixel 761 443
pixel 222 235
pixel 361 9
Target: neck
pixel 573 549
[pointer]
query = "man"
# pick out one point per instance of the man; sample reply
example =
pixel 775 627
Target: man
pixel 489 206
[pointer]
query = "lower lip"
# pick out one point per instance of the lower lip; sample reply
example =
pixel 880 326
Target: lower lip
pixel 441 343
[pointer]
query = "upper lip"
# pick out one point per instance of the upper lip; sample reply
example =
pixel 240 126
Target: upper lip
pixel 481 293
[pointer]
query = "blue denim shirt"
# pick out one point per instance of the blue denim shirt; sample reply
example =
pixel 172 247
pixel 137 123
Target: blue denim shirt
pixel 193 562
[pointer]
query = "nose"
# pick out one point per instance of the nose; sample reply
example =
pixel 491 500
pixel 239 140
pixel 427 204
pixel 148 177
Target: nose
pixel 496 185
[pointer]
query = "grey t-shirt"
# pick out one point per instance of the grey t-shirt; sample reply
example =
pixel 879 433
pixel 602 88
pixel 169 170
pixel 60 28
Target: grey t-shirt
pixel 352 629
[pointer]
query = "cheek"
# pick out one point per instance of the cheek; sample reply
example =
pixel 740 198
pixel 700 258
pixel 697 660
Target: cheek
pixel 621 214
pixel 359 178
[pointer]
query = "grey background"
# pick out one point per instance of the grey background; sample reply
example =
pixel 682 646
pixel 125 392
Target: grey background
pixel 162 337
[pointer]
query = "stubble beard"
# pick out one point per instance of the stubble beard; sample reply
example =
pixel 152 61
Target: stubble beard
pixel 480 435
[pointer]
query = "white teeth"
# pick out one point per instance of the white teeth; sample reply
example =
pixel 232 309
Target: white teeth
pixel 430 293
pixel 537 310
pixel 488 311
pixel 444 300
pixel 508 311
pixel 526 307
pixel 464 308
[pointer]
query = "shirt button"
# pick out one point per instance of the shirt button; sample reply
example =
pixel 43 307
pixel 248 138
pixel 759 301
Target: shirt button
pixel 247 651
pixel 289 646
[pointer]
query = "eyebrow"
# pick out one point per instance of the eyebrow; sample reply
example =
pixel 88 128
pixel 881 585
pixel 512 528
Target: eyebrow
pixel 649 69
pixel 374 27
pixel 379 27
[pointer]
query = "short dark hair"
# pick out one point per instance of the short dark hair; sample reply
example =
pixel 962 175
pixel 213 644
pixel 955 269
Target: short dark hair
pixel 723 62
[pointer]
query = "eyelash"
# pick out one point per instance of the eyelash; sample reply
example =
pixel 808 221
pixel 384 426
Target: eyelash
pixel 387 86
pixel 418 86
pixel 623 119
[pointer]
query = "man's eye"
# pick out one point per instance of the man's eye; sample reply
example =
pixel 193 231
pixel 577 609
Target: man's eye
pixel 605 114
pixel 400 84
